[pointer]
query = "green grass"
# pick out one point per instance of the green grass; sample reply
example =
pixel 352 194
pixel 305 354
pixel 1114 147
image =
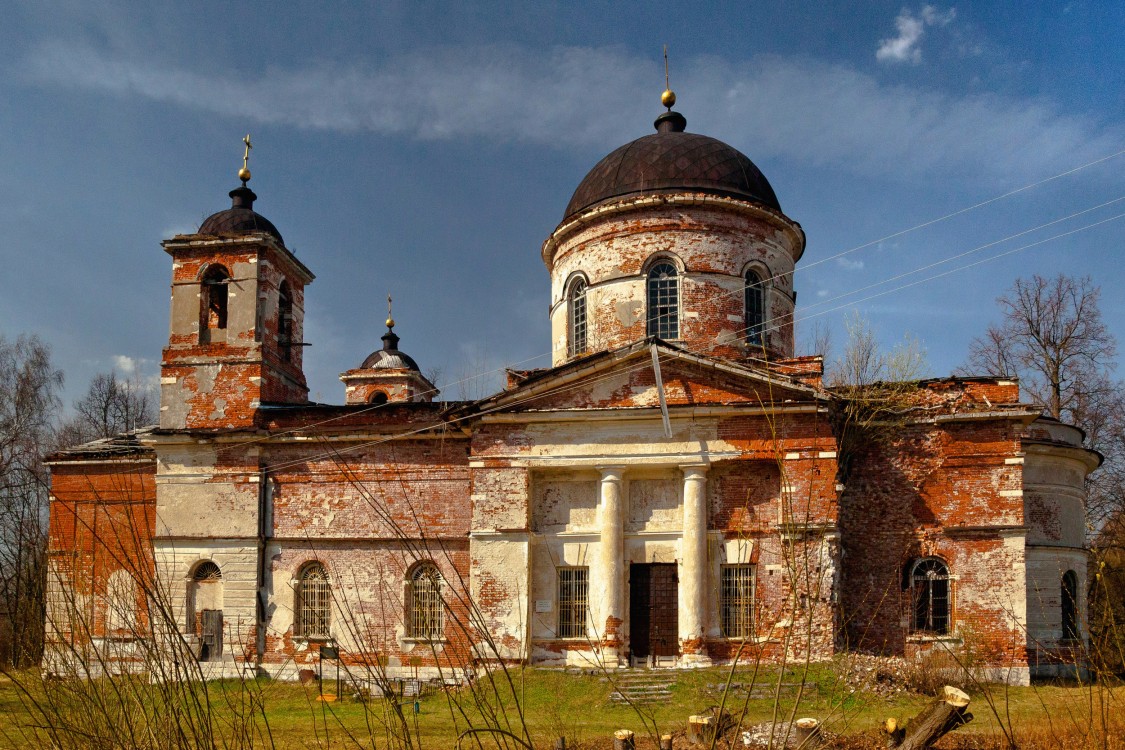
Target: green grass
pixel 577 705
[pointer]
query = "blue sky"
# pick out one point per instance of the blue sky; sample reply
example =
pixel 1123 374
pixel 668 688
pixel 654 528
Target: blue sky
pixel 426 149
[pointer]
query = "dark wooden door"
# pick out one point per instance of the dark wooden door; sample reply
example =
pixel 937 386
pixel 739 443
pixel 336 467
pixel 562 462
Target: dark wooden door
pixel 653 610
pixel 211 635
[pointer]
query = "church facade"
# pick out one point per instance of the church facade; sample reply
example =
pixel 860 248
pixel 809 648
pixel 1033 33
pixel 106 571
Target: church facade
pixel 677 489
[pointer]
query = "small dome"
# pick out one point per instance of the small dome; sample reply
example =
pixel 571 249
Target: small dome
pixel 389 357
pixel 671 160
pixel 240 218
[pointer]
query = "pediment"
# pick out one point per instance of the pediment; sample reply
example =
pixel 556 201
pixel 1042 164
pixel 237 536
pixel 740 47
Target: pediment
pixel 626 378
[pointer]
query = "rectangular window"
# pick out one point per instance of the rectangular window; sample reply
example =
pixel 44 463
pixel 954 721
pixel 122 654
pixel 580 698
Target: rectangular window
pixel 736 600
pixel 574 601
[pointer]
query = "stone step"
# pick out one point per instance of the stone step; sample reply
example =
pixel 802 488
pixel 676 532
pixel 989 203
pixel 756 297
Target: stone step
pixel 649 697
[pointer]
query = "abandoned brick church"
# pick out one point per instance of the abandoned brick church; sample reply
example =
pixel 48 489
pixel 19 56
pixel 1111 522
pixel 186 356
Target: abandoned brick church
pixel 668 493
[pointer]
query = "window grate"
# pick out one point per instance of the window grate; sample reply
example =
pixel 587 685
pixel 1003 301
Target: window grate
pixel 207 571
pixel 755 309
pixel 737 600
pixel 578 317
pixel 930 588
pixel 314 607
pixel 574 602
pixel 663 302
pixel 426 615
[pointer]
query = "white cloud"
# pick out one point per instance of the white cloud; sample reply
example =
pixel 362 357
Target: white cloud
pixel 850 264
pixel 906 47
pixel 772 107
pixel 124 365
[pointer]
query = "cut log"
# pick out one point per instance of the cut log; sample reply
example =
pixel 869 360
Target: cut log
pixel 623 740
pixel 807 733
pixel 936 720
pixel 700 729
pixel 665 742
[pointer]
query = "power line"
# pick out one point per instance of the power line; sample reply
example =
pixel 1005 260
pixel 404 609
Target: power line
pixel 721 295
pixel 616 373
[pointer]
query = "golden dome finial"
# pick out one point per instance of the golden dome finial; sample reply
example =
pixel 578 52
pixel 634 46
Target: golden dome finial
pixel 390 320
pixel 668 98
pixel 244 173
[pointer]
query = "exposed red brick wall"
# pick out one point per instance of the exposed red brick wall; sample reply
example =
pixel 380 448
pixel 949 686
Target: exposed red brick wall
pixel 102 519
pixel 935 490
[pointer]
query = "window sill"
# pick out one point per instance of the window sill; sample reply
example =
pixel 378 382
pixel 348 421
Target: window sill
pixel 411 639
pixel 932 638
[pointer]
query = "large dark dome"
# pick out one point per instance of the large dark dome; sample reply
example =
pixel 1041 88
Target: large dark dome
pixel 240 217
pixel 671 160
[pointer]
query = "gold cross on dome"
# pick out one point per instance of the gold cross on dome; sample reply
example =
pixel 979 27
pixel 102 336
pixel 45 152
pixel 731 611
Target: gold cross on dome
pixel 244 173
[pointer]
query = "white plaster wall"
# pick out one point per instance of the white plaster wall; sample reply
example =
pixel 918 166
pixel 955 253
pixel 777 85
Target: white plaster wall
pixel 655 505
pixel 500 584
pixel 1054 497
pixel 189 503
pixel 548 554
pixel 565 504
pixel 237 560
pixel 1045 569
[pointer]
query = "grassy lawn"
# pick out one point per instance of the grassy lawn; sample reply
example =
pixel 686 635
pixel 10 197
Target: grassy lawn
pixel 578 706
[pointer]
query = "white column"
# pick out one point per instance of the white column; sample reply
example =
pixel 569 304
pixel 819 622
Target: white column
pixel 608 583
pixel 693 577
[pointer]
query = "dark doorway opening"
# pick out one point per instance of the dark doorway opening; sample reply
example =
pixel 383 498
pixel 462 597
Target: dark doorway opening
pixel 654 629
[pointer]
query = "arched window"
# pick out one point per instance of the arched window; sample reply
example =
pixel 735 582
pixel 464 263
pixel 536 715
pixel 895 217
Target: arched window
pixel 213 303
pixel 378 398
pixel 577 314
pixel 1070 606
pixel 425 612
pixel 285 320
pixel 663 301
pixel 207 571
pixel 755 298
pixel 313 613
pixel 929 588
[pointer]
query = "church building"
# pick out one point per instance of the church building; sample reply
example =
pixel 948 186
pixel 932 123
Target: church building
pixel 676 490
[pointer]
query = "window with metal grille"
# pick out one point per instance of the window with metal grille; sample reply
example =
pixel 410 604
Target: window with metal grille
pixel 1070 606
pixel 314 602
pixel 574 602
pixel 207 571
pixel 663 302
pixel 736 600
pixel 578 317
pixel 930 588
pixel 755 309
pixel 425 616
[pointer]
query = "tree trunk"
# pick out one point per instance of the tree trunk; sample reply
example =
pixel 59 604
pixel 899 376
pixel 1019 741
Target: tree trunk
pixel 937 719
pixel 623 740
pixel 807 733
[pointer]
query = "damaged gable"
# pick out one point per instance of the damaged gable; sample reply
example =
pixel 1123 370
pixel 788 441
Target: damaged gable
pixel 628 378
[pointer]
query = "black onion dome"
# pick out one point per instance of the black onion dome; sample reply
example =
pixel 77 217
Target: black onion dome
pixel 389 357
pixel 671 160
pixel 240 217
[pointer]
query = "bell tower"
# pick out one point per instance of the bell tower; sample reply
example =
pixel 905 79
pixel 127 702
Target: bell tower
pixel 237 319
